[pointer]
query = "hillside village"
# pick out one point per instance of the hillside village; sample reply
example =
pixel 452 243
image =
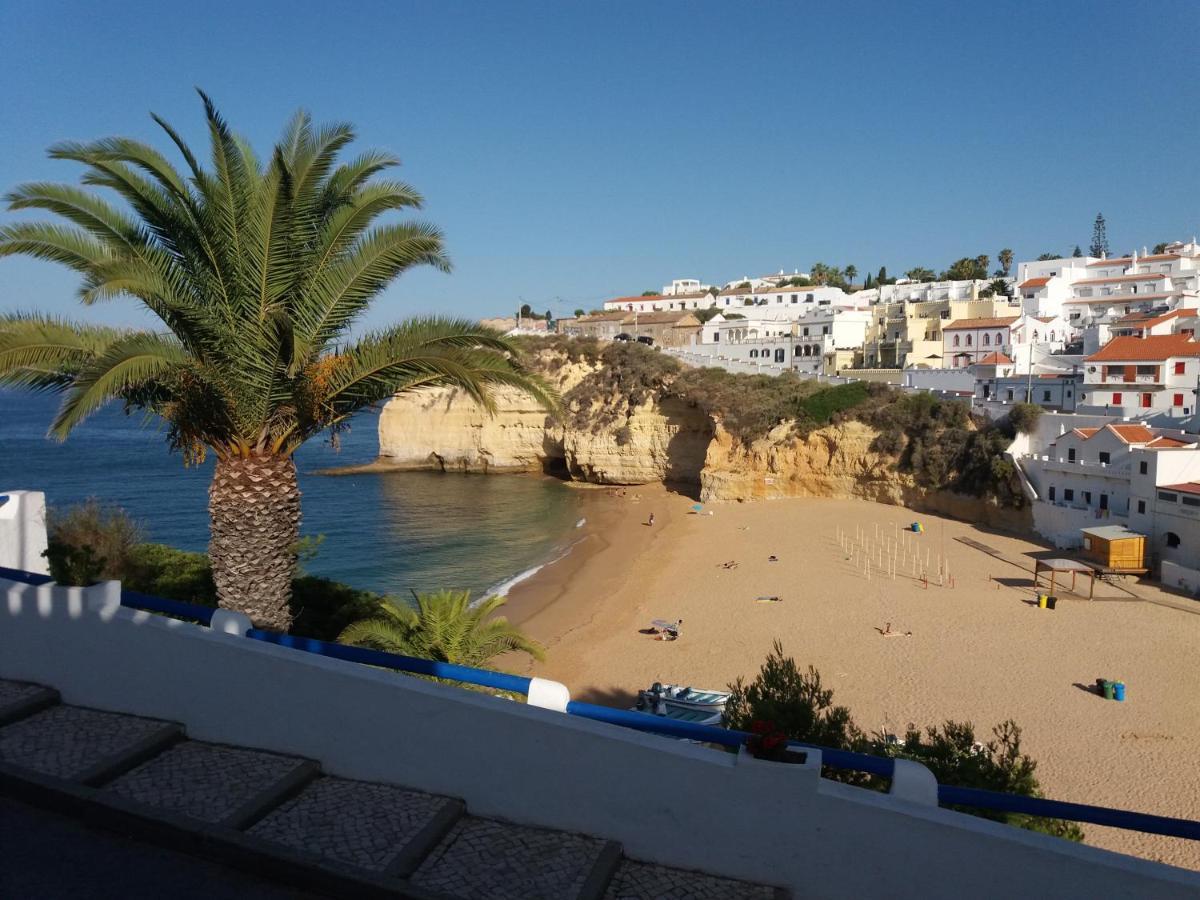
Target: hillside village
pixel 1105 346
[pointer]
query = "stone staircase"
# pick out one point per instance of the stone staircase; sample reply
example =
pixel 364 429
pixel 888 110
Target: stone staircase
pixel 281 816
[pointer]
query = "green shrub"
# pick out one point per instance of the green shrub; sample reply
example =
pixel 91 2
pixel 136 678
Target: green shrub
pixel 1023 417
pixel 167 572
pixel 630 375
pixel 798 705
pixel 89 542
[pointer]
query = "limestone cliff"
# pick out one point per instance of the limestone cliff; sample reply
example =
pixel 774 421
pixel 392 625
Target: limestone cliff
pixel 614 441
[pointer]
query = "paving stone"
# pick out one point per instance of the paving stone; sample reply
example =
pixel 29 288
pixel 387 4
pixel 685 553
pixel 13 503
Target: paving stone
pixel 17 691
pixel 66 741
pixel 208 782
pixel 354 822
pixel 483 858
pixel 645 881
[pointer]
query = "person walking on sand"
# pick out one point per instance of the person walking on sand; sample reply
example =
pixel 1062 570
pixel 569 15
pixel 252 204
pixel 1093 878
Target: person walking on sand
pixel 650 521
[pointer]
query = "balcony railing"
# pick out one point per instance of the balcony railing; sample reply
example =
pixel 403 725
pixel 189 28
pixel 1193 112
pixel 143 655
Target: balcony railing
pixel 882 766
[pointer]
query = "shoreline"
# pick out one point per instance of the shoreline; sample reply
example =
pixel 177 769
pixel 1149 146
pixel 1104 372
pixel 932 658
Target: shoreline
pixel 980 651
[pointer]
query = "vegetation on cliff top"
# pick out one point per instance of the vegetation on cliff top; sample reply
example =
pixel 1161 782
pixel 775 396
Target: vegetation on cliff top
pixel 937 441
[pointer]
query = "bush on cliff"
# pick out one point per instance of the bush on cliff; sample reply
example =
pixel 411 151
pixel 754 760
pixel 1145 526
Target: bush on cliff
pixel 784 699
pixel 629 375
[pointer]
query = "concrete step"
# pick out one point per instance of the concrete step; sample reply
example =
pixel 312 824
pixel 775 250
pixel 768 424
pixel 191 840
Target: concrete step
pixel 378 828
pixel 485 859
pixel 85 746
pixel 19 699
pixel 646 881
pixel 212 783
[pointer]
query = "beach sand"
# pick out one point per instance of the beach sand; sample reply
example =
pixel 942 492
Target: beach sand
pixel 980 651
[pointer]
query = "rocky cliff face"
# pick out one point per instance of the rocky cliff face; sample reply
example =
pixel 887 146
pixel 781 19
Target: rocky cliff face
pixel 444 429
pixel 659 440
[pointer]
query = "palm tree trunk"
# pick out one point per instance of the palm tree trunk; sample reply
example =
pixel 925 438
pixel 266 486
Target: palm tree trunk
pixel 254 507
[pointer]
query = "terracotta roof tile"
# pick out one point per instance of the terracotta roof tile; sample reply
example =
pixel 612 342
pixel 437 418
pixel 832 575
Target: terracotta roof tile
pixel 1034 282
pixel 1191 487
pixel 1112 261
pixel 1167 443
pixel 1155 348
pixel 1131 434
pixel 995 359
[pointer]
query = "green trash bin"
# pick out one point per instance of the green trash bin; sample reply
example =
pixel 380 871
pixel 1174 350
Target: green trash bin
pixel 1108 688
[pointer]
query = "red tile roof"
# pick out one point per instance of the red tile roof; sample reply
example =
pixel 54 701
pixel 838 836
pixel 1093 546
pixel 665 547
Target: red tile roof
pixel 1155 348
pixel 1033 282
pixel 1084 433
pixel 1131 434
pixel 649 299
pixel 995 359
pixel 1166 442
pixel 980 323
pixel 1112 261
pixel 1174 314
pixel 1190 487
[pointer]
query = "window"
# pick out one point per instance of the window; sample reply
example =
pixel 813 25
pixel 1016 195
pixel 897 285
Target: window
pixel 1141 506
pixel 754 354
pixel 987 340
pixel 1180 368
pixel 806 330
pixel 968 340
pixel 1051 495
pixel 824 329
pixel 779 355
pixel 1172 539
pixel 1116 399
pixel 795 298
pixel 999 339
pixel 1010 394
pixel 1070 454
pixel 1104 457
pixel 1045 396
pixel 1167 496
pixel 1068 494
pixel 1104 501
pixel 1190 501
pixel 1143 467
pixel 1146 399
pixel 1087 498
pixel 1177 400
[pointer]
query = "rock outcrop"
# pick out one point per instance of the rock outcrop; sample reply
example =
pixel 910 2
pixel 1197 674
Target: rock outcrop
pixel 666 440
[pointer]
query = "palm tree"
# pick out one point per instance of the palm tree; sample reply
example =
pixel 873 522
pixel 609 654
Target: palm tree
pixel 444 626
pixel 851 273
pixel 1006 260
pixel 256 273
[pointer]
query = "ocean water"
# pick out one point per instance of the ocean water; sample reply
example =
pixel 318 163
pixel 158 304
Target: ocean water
pixel 390 531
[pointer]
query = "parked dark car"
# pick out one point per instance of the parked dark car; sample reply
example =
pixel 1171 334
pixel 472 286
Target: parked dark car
pixel 645 339
pixel 623 337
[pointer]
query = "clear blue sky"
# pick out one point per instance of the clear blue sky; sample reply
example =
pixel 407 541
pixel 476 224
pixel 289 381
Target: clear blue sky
pixel 585 150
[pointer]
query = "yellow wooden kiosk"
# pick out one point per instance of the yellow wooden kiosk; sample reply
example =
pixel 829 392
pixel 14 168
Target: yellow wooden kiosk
pixel 1115 548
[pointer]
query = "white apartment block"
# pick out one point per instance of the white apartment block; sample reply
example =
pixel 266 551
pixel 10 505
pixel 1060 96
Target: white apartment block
pixel 818 342
pixel 1109 474
pixel 1147 377
pixel 661 302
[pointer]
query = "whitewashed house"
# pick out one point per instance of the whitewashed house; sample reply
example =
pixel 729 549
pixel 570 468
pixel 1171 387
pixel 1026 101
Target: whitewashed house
pixel 1143 377
pixel 967 341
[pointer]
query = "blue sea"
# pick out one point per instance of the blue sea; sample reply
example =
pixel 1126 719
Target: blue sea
pixel 387 531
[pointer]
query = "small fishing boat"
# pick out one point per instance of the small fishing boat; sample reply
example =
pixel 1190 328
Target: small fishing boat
pixel 689 696
pixel 684 704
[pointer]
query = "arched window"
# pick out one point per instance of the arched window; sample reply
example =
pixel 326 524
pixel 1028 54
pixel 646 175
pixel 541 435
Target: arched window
pixel 999 339
pixel 1052 337
pixel 779 356
pixel 968 340
pixel 987 340
pixel 754 354
pixel 1172 539
pixel 956 340
pixel 796 350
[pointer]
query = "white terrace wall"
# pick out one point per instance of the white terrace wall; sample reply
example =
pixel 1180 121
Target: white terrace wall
pixel 664 800
pixel 23 531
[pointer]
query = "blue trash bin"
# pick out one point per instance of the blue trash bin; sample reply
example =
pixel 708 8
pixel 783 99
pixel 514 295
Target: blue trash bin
pixel 1119 691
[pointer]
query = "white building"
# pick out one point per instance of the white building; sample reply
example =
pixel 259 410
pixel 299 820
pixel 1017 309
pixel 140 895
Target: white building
pixel 661 302
pixel 684 286
pixel 967 341
pixel 1143 377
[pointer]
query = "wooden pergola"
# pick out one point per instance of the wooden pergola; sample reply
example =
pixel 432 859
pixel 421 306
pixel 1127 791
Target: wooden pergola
pixel 1061 567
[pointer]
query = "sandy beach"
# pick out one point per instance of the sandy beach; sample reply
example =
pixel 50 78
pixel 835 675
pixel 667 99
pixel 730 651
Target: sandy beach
pixel 980 650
